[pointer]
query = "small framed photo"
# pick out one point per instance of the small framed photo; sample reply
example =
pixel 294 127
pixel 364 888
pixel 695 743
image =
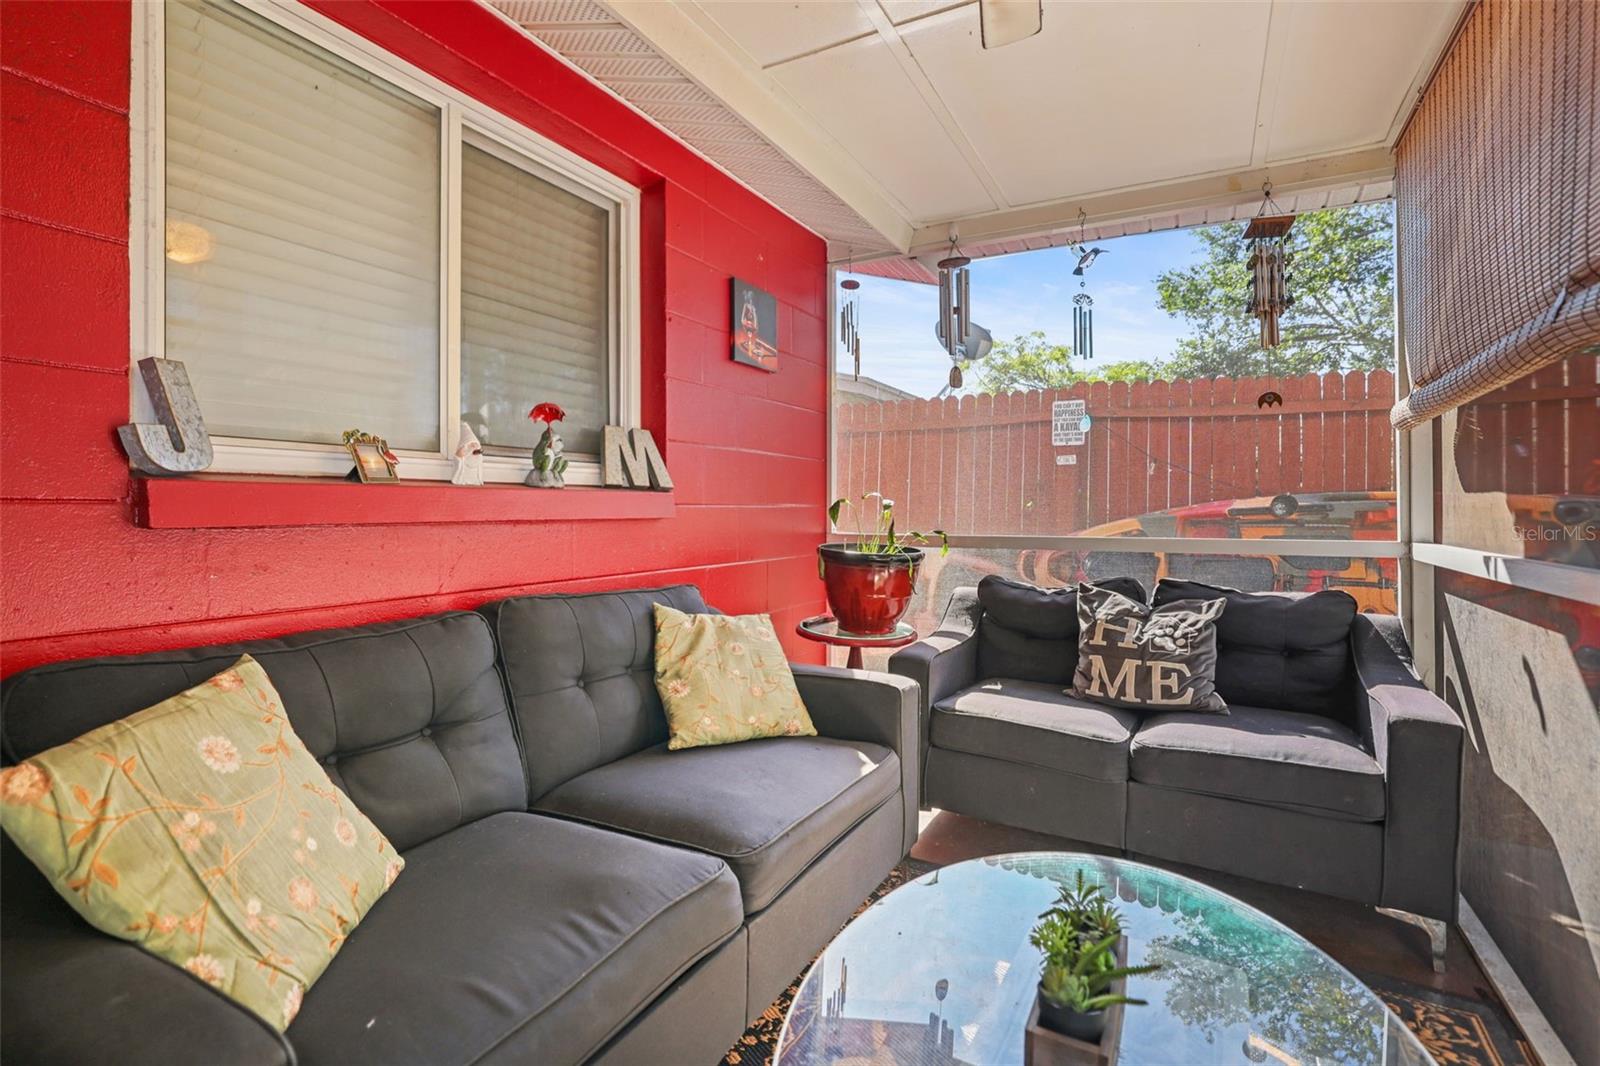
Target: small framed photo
pixel 755 326
pixel 375 463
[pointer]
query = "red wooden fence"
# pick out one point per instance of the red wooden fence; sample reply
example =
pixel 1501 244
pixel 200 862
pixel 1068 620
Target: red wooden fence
pixel 985 464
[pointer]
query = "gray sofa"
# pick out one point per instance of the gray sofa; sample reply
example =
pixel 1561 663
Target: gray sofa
pixel 572 892
pixel 1336 770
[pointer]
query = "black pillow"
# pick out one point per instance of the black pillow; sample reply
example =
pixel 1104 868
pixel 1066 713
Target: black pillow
pixel 1288 651
pixel 1030 633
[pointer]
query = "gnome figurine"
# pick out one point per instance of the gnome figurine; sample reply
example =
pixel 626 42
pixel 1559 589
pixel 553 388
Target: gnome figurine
pixel 549 465
pixel 469 459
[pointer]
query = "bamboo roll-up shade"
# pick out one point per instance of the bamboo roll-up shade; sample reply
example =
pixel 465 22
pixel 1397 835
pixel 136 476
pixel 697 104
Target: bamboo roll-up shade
pixel 1498 205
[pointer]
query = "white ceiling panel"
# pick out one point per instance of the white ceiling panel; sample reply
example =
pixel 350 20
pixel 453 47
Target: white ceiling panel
pixel 1348 69
pixel 902 11
pixel 882 123
pixel 868 104
pixel 1107 96
pixel 772 32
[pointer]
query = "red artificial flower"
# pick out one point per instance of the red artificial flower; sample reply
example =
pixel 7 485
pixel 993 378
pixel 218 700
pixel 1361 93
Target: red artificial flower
pixel 548 412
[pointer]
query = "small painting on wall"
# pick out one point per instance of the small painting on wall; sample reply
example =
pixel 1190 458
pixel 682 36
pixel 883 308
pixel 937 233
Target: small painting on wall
pixel 755 326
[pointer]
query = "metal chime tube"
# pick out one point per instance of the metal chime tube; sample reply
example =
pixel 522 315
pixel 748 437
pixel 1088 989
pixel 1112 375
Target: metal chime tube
pixel 1088 332
pixel 963 306
pixel 946 326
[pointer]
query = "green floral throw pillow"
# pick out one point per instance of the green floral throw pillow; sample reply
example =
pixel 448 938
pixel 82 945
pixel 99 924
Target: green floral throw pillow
pixel 724 679
pixel 202 830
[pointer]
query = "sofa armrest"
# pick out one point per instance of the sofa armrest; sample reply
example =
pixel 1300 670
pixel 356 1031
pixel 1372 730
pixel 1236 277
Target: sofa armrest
pixel 874 707
pixel 1418 740
pixel 74 994
pixel 944 662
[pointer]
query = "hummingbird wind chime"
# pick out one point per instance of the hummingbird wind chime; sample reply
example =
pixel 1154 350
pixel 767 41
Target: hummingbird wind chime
pixel 963 339
pixel 1267 237
pixel 1083 303
pixel 850 321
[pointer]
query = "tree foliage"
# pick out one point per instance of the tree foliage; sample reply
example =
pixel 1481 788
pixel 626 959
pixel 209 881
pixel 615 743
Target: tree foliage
pixel 1030 361
pixel 1341 277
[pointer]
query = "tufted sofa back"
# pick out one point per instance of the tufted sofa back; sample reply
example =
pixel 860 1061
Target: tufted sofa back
pixel 580 671
pixel 408 717
pixel 1030 633
pixel 1289 651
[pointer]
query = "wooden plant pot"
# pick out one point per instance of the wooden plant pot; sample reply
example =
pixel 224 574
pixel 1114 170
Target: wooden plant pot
pixel 1043 1046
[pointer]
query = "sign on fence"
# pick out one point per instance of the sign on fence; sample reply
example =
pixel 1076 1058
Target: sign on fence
pixel 1069 423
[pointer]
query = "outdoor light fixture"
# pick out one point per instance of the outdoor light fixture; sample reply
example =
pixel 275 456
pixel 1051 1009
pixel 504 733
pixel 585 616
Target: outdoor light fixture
pixel 1003 22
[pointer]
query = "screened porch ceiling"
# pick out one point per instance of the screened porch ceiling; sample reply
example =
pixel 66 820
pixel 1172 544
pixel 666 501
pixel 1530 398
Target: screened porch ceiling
pixel 882 124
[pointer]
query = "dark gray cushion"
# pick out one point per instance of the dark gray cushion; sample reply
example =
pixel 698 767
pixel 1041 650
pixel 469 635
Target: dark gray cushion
pixel 580 671
pixel 1031 633
pixel 138 1010
pixel 1280 649
pixel 408 717
pixel 518 938
pixel 1037 724
pixel 1299 761
pixel 767 807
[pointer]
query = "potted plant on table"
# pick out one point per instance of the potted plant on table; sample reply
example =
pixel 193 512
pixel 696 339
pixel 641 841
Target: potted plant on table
pixel 1084 970
pixel 869 582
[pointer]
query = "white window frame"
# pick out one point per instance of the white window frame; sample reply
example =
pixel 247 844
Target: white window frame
pixel 462 118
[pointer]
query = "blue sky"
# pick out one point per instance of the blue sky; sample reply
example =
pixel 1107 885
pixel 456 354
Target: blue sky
pixel 1018 294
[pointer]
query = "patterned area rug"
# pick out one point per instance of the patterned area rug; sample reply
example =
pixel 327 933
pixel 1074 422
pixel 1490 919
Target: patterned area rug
pixel 1456 1032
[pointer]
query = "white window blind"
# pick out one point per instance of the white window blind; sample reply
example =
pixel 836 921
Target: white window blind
pixel 302 211
pixel 535 305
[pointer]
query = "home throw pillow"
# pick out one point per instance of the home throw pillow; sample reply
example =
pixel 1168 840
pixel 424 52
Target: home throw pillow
pixel 202 830
pixel 723 679
pixel 1134 655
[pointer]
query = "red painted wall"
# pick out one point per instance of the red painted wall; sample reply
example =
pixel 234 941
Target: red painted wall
pixel 747 449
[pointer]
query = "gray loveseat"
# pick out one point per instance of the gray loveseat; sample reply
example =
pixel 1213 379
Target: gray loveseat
pixel 572 892
pixel 1336 770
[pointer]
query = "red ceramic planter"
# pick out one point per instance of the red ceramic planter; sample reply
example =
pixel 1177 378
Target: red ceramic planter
pixel 868 593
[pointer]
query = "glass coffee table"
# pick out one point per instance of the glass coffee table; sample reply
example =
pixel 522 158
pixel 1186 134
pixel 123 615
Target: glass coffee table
pixel 940 973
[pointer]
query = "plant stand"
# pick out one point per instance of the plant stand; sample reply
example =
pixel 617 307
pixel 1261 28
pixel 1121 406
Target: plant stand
pixel 1046 1047
pixel 824 629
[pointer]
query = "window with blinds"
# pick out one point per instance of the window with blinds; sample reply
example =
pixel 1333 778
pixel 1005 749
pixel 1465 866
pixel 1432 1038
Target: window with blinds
pixel 303 236
pixel 535 305
pixel 327 266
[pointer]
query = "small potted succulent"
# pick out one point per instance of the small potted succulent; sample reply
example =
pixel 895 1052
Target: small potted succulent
pixel 869 583
pixel 549 465
pixel 1084 968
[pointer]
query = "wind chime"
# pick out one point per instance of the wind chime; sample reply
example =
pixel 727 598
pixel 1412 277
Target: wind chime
pixel 1267 237
pixel 963 339
pixel 850 321
pixel 1083 303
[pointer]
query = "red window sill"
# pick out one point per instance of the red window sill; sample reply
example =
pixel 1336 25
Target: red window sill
pixel 217 501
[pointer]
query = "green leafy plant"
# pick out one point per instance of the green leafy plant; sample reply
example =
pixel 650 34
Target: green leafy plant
pixel 878 536
pixel 1078 937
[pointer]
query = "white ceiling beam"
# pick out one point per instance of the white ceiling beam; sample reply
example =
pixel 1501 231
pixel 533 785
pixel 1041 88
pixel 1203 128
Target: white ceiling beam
pixel 1227 189
pixel 675 34
pixel 889 34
